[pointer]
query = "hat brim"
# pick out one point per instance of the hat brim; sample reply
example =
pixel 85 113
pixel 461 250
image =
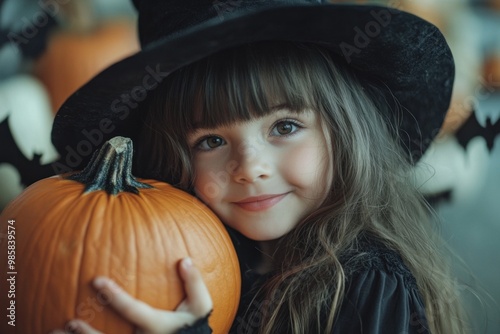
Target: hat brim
pixel 396 49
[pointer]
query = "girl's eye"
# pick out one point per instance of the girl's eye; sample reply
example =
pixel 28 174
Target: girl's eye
pixel 209 143
pixel 284 128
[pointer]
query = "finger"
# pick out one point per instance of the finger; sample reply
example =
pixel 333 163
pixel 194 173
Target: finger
pixel 76 327
pixel 134 310
pixel 81 327
pixel 198 299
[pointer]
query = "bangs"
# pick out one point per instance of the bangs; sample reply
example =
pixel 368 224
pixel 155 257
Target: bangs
pixel 242 83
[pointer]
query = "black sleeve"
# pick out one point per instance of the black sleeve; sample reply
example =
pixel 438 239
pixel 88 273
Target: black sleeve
pixel 199 327
pixel 381 302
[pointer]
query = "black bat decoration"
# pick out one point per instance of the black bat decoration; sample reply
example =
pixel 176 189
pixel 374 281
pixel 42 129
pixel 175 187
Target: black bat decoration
pixel 468 131
pixel 30 170
pixel 471 129
pixel 31 48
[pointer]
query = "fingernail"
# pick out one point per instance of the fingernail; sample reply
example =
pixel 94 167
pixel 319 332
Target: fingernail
pixel 187 262
pixel 106 283
pixel 73 326
pixel 100 282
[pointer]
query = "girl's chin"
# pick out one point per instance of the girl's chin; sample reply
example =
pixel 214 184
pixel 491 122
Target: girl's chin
pixel 262 237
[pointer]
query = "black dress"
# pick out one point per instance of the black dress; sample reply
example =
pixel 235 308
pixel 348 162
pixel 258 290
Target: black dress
pixel 381 297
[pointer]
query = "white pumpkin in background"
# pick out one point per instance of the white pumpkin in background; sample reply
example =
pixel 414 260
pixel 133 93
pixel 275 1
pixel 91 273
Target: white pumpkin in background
pixel 26 150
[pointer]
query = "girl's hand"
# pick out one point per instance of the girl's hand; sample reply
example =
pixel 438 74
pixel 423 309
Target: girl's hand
pixel 149 320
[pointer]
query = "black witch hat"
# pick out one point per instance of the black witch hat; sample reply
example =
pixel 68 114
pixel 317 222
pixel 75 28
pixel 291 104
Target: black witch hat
pixel 398 51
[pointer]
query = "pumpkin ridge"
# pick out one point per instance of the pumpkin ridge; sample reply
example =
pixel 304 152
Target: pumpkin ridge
pixel 137 247
pixel 159 231
pixel 180 232
pixel 147 209
pixel 52 213
pixel 94 205
pixel 41 234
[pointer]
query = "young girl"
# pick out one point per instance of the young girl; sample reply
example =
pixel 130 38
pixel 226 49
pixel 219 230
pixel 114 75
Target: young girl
pixel 303 146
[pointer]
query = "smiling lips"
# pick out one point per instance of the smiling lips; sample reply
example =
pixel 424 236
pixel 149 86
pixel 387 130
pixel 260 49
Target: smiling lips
pixel 260 203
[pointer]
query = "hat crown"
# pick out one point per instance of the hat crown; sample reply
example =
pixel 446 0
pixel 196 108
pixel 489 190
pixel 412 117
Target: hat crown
pixel 160 19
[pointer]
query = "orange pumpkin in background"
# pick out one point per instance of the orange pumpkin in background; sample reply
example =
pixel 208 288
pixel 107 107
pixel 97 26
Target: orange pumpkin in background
pixel 66 230
pixel 491 72
pixel 494 4
pixel 82 48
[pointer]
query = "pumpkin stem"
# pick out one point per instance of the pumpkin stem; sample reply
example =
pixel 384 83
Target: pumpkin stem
pixel 110 169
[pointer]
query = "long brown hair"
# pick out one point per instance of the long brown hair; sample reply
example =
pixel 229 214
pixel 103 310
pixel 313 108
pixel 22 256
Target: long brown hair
pixel 373 190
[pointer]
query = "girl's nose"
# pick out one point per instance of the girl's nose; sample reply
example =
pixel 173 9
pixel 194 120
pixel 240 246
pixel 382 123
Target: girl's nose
pixel 251 164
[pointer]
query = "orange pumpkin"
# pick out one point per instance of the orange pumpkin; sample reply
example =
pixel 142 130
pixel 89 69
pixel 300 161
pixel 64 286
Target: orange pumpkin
pixel 62 233
pixel 73 57
pixel 82 47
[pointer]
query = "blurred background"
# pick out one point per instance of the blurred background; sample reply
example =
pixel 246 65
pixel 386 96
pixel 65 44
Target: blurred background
pixel 48 48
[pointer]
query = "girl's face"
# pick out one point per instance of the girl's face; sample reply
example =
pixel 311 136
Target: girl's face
pixel 263 176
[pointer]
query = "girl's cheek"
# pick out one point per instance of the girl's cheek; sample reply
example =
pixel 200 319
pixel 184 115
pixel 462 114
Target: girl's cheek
pixel 307 163
pixel 209 182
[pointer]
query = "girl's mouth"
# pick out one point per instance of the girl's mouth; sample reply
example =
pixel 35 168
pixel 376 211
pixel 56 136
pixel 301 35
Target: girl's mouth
pixel 260 203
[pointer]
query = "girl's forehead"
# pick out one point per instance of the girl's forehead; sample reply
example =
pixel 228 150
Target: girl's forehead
pixel 243 83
